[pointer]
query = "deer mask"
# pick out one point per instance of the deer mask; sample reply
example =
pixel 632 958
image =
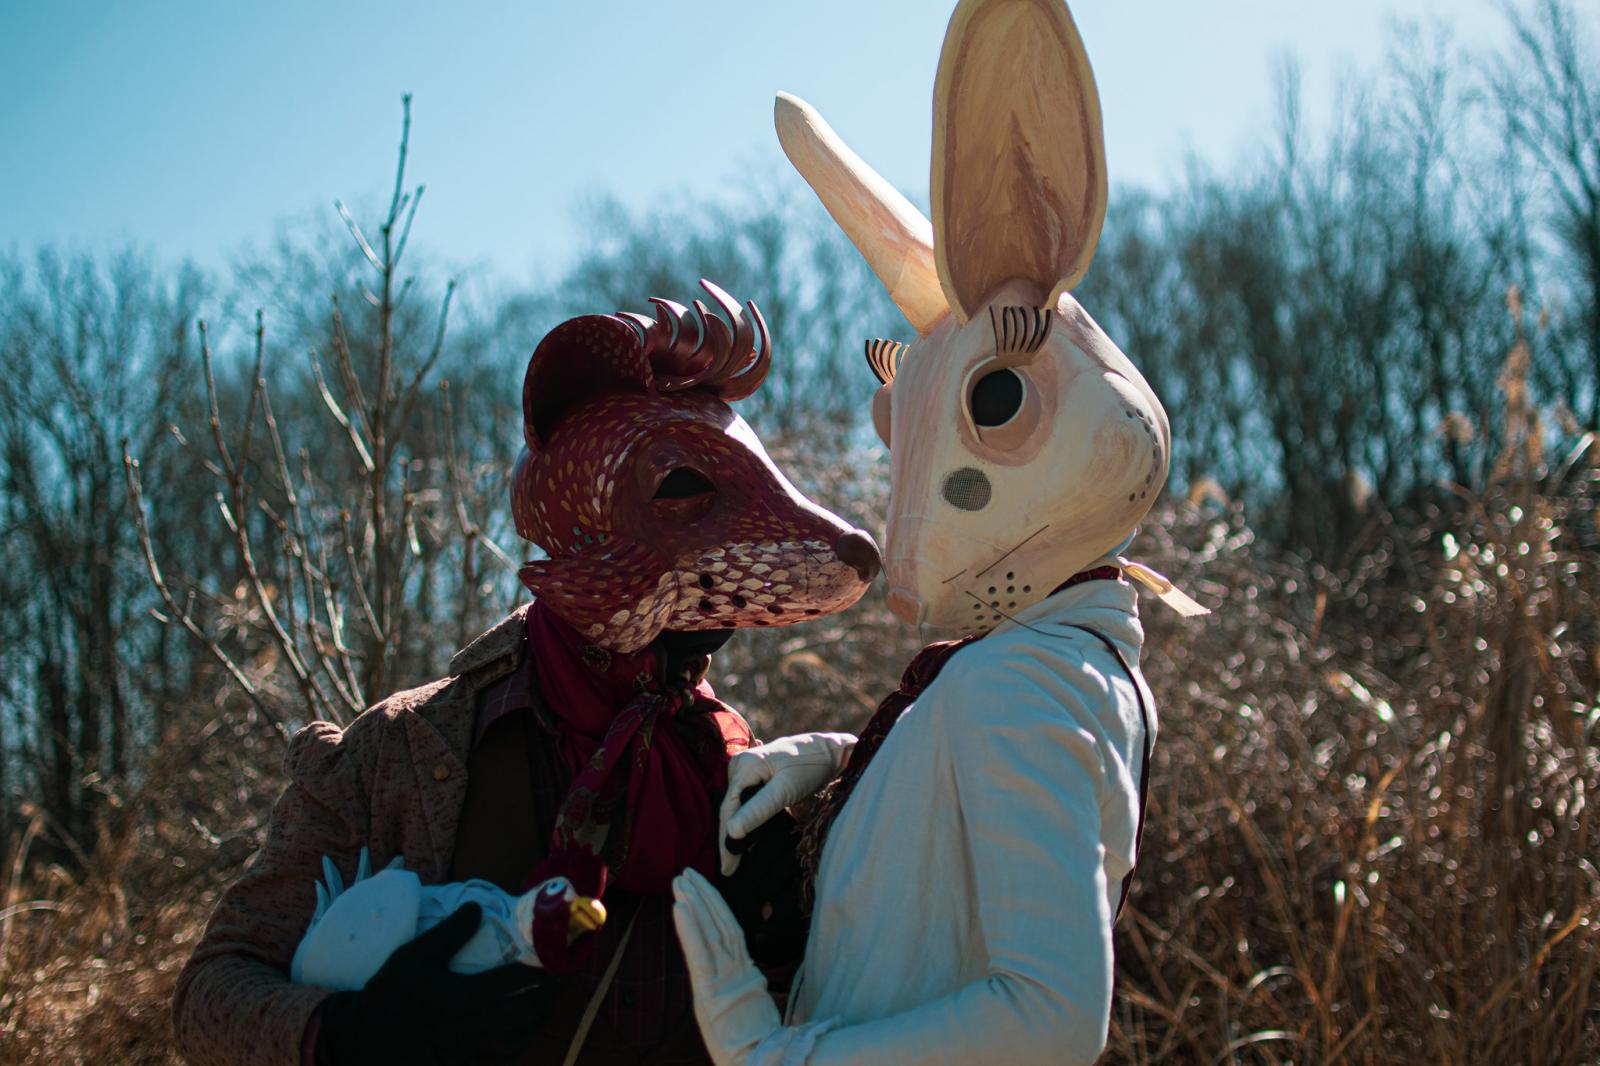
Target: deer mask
pixel 656 504
pixel 1024 444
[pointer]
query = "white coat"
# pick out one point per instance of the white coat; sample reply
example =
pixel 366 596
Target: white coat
pixel 966 892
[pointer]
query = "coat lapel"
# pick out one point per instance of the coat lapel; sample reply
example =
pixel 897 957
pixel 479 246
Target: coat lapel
pixel 438 745
pixel 439 736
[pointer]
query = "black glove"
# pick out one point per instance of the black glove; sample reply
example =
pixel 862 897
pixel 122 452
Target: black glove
pixel 414 1010
pixel 764 892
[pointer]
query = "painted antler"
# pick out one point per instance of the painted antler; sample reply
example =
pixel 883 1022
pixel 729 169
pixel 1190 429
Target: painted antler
pixel 677 351
pixel 731 364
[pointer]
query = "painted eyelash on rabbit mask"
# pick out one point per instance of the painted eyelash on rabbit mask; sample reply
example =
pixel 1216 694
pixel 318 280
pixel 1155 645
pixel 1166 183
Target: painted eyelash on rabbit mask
pixel 1019 333
pixel 883 356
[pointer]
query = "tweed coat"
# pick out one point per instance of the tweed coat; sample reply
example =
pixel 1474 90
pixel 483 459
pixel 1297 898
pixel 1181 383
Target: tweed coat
pixel 394 782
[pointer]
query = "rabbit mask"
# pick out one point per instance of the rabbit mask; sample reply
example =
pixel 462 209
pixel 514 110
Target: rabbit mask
pixel 1024 444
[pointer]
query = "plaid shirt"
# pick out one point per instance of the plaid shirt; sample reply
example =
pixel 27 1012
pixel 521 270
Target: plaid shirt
pixel 648 1005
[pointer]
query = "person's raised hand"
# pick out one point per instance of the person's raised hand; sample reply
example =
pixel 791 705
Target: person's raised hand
pixel 731 1003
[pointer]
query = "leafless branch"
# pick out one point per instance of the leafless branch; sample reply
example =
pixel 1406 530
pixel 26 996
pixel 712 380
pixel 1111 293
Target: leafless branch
pixel 360 238
pixel 410 398
pixel 182 615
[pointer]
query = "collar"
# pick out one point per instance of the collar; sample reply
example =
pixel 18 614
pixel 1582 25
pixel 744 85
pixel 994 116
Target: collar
pixel 1097 573
pixel 1108 607
pixel 506 677
pixel 503 640
pixel 516 693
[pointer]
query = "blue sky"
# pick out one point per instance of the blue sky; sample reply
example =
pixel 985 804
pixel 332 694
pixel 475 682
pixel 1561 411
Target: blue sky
pixel 190 127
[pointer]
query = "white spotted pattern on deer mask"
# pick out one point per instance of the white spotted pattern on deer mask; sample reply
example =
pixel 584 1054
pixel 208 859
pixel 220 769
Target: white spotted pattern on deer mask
pixel 657 505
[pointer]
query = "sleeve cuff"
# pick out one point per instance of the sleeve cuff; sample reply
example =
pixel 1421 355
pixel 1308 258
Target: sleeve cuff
pixel 308 1041
pixel 792 1045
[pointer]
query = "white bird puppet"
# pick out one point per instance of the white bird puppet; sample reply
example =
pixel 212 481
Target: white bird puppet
pixel 971 857
pixel 355 929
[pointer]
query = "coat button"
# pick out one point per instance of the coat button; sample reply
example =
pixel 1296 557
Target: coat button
pixel 441 772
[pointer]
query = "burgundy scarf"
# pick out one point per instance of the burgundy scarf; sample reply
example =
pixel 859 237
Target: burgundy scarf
pixel 649 756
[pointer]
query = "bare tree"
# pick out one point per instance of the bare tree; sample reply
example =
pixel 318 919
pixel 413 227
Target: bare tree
pixel 92 354
pixel 1548 89
pixel 775 246
pixel 328 564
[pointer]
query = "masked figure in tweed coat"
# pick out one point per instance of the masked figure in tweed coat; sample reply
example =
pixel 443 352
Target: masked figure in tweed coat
pixel 578 738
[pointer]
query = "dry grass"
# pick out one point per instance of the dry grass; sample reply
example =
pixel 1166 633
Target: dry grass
pixel 1370 835
pixel 88 959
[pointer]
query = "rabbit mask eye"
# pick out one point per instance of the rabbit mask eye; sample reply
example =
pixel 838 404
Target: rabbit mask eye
pixel 996 398
pixel 1002 398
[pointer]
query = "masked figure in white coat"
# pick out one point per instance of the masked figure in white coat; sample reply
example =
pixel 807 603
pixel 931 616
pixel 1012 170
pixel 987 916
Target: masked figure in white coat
pixel 972 850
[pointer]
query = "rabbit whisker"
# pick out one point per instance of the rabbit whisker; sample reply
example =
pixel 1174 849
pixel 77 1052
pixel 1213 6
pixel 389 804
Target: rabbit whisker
pixel 1008 554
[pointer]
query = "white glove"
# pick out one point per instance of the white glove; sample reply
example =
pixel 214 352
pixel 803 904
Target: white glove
pixel 730 995
pixel 788 770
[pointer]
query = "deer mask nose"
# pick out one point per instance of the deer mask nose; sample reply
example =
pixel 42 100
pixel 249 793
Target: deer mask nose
pixel 857 550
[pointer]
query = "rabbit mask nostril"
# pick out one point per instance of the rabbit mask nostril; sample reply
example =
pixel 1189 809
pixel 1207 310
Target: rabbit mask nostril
pixel 967 489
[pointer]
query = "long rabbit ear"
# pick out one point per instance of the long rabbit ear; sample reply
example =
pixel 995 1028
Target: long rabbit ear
pixel 890 233
pixel 1019 172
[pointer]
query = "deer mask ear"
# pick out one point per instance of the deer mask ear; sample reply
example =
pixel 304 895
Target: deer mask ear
pixel 579 358
pixel 1019 174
